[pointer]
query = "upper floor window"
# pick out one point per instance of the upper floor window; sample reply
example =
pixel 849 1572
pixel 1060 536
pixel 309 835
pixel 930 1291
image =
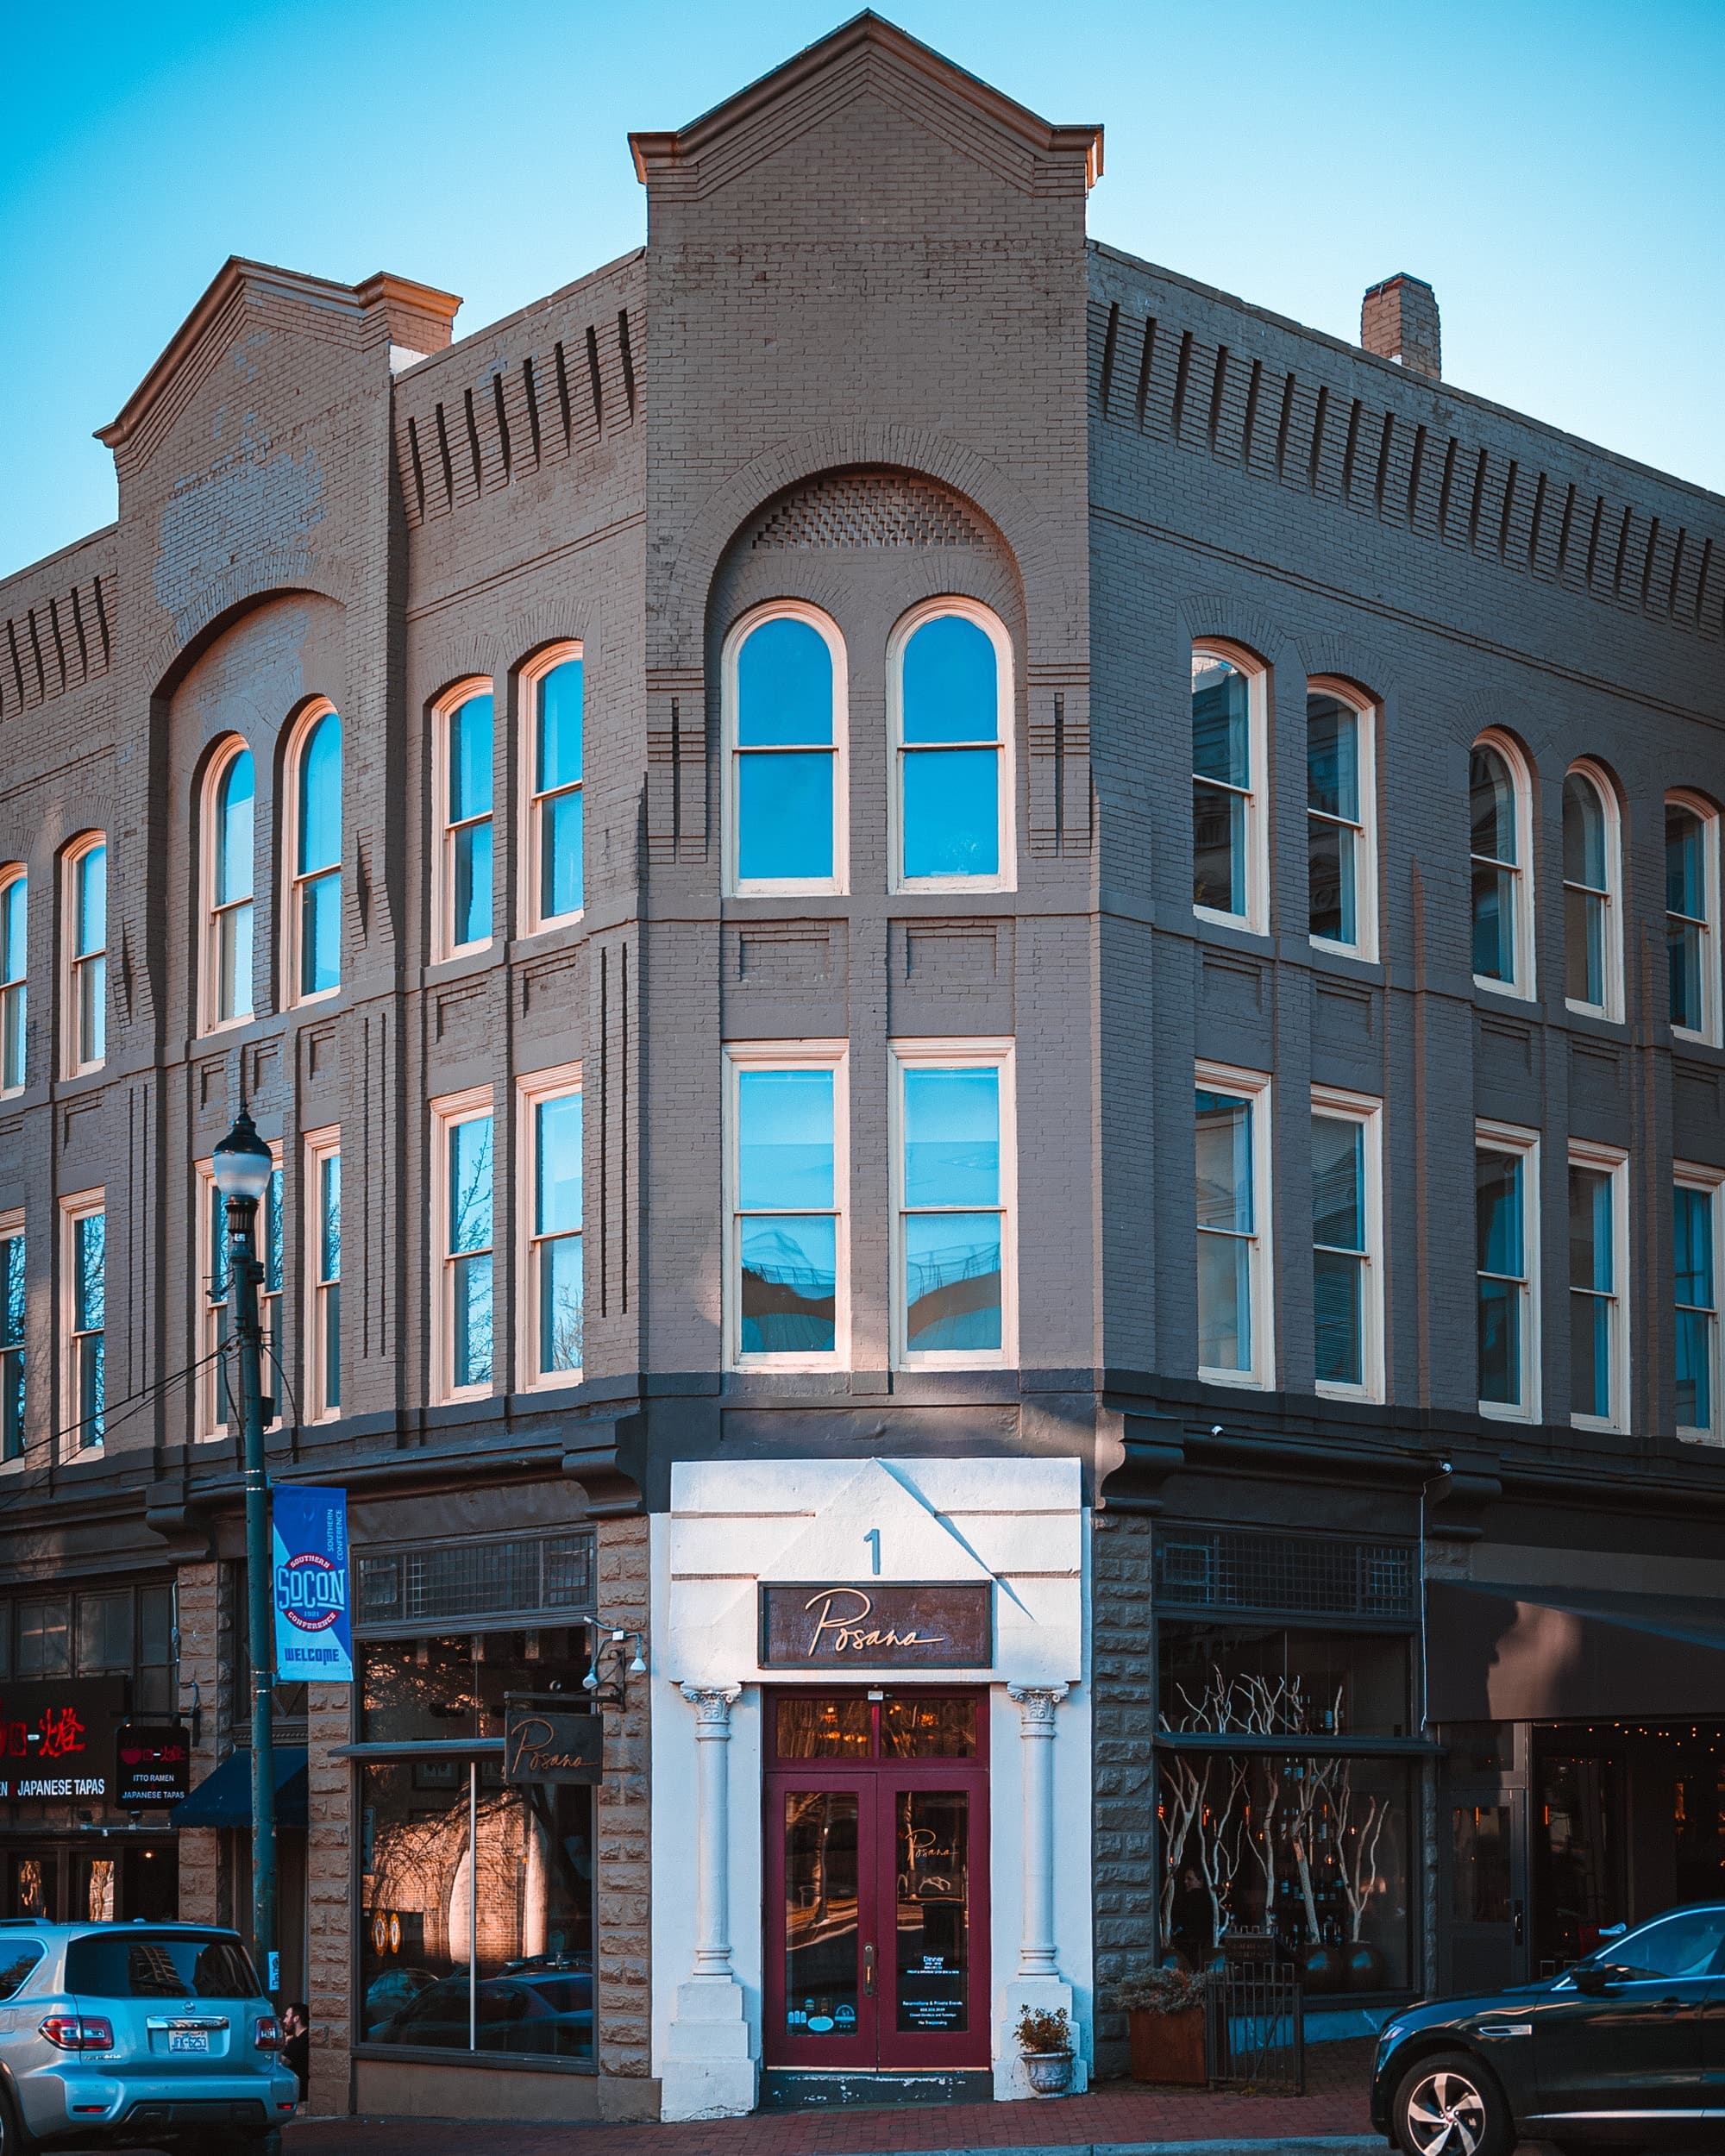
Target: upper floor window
pixel 785 702
pixel 219 1391
pixel 324 1271
pixel 86 948
pixel 11 1336
pixel 1499 805
pixel 786 1174
pixel 1691 902
pixel 553 1302
pixel 1230 866
pixel 954 1169
pixel 1506 1236
pixel 84 1261
pixel 464 1215
pixel 314 957
pixel 1598 1305
pixel 1340 823
pixel 950 668
pixel 229 855
pixel 1697 1222
pixel 553 690
pixel 1232 1194
pixel 14 895
pixel 1593 943
pixel 1347 1281
pixel 462 764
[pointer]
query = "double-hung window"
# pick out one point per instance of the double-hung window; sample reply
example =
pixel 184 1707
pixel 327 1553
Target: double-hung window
pixel 1500 809
pixel 463 778
pixel 1339 804
pixel 1506 1232
pixel 553 693
pixel 86 945
pixel 955 1160
pixel 323 1273
pixel 1692 898
pixel 218 1391
pixel 314 906
pixel 950 676
pixel 1347 1286
pixel 1232 1109
pixel 1593 948
pixel 1697 1225
pixel 1598 1298
pixel 463 1218
pixel 786 1267
pixel 1230 861
pixel 11 1336
pixel 84 1259
pixel 14 895
pixel 229 867
pixel 784 699
pixel 553 1297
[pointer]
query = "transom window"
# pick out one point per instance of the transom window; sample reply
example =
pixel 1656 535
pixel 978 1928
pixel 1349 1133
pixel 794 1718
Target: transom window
pixel 1229 868
pixel 1696 1226
pixel 788 1217
pixel 1598 1346
pixel 315 895
pixel 555 693
pixel 87 956
pixel 229 853
pixel 952 671
pixel 1341 873
pixel 14 973
pixel 1691 888
pixel 955 1162
pixel 554 1297
pixel 1233 1214
pixel 465 806
pixel 1500 845
pixel 785 686
pixel 1593 960
pixel 1505 1234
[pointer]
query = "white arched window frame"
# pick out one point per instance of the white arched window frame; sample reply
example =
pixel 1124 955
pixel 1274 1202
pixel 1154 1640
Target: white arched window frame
pixel 84 913
pixel 15 960
pixel 463 797
pixel 1503 875
pixel 553 796
pixel 1006 794
pixel 313 884
pixel 1229 793
pixel 1593 897
pixel 228 876
pixel 740 753
pixel 1692 920
pixel 1341 823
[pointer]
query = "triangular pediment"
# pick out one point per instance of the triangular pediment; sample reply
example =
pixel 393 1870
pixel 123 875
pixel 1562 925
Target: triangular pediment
pixel 869 56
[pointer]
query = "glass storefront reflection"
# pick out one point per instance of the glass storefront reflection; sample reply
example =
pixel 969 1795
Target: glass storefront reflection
pixel 821 1955
pixel 932 1844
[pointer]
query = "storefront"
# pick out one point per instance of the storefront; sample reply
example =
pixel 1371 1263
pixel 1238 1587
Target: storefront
pixel 870 1676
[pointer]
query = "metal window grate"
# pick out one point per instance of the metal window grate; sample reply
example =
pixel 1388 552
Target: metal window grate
pixel 509 1577
pixel 1303 1576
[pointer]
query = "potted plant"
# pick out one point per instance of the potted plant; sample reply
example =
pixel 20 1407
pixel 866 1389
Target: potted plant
pixel 1045 2041
pixel 1164 2011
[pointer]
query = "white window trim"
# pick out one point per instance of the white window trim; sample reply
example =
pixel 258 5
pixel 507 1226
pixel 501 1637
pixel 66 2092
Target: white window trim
pixel 1692 1175
pixel 960 1053
pixel 71 1066
pixel 556 1083
pixel 1367 1111
pixel 1256 919
pixel 1697 806
pixel 17 872
pixel 1613 1161
pixel 317 1147
pixel 1255 1086
pixel 838 882
pixel 12 1225
pixel 74 1206
pixel 833 1055
pixel 1524 988
pixel 531 673
pixel 443 943
pixel 1612 1009
pixel 1365 710
pixel 453 1109
pixel 209 1391
pixel 209 956
pixel 319 707
pixel 1006 799
pixel 1510 1137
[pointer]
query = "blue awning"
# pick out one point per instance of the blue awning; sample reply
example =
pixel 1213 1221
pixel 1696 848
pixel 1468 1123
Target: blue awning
pixel 225 1798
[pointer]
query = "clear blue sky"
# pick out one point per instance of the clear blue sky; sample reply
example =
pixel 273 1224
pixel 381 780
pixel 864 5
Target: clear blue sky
pixel 1554 169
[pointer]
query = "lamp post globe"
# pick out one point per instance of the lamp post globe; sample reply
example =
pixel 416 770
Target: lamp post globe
pixel 243 1164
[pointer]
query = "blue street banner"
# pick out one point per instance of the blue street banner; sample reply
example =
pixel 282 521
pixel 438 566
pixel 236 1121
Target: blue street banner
pixel 314 1633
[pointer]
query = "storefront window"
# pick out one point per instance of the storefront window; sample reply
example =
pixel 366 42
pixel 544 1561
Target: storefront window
pixel 418 1691
pixel 1268 1681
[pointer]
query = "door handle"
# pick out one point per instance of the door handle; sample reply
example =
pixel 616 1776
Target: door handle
pixel 867 1972
pixel 1518 1911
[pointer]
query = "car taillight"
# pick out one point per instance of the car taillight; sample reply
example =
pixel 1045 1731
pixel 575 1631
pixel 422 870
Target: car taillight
pixel 268 2035
pixel 78 2031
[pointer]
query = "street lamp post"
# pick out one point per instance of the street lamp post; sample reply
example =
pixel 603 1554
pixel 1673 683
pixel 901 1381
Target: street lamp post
pixel 242 1165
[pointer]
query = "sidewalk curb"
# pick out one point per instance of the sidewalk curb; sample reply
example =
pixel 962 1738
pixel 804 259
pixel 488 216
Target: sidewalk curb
pixel 1272 2144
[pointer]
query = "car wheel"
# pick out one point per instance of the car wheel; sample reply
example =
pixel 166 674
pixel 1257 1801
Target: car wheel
pixel 1449 2105
pixel 16 2138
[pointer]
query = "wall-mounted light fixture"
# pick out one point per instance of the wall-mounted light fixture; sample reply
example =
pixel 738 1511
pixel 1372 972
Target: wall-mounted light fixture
pixel 608 1643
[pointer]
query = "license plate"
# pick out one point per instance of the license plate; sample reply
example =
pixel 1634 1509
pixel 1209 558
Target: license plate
pixel 182 2040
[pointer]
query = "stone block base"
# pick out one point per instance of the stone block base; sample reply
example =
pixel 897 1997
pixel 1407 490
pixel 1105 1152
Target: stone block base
pixel 1047 1994
pixel 709 2071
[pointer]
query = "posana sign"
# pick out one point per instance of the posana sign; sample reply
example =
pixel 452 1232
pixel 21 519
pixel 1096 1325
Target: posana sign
pixel 888 1625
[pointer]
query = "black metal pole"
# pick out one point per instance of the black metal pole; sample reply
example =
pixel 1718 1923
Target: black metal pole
pixel 245 1275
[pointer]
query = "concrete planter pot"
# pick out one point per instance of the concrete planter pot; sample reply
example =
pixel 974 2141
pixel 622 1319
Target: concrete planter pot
pixel 1168 2048
pixel 1049 2071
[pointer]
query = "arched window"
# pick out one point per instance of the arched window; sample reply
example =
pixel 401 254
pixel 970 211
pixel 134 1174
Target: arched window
pixel 463 781
pixel 553 690
pixel 949 667
pixel 1499 801
pixel 1340 820
pixel 784 702
pixel 314 934
pixel 1230 859
pixel 15 893
pixel 1691 912
pixel 228 852
pixel 85 944
pixel 1593 943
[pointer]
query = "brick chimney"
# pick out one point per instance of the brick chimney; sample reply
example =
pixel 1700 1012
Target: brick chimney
pixel 1398 320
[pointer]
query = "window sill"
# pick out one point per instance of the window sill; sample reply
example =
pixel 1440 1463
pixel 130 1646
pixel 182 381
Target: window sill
pixel 1506 989
pixel 1495 1410
pixel 1237 1380
pixel 1241 924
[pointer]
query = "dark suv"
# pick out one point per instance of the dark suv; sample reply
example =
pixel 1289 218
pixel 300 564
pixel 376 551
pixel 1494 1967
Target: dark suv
pixel 1627 2049
pixel 121 2035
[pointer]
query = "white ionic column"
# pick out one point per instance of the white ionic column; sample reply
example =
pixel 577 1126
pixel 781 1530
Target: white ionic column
pixel 709 2069
pixel 712 1829
pixel 1036 1705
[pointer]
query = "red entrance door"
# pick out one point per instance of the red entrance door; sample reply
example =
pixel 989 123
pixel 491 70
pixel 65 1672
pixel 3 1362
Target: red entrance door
pixel 877 1880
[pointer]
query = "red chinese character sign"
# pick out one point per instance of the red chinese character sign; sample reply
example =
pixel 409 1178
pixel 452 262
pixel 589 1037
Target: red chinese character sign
pixel 57 1739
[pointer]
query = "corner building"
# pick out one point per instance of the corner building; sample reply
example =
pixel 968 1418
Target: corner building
pixel 991 995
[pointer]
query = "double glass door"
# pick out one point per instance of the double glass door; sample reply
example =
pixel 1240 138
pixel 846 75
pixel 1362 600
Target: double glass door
pixel 877 1868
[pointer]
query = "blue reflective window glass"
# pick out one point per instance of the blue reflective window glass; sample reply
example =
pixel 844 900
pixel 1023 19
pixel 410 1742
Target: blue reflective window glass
pixel 561 1320
pixel 470 760
pixel 561 866
pixel 92 900
pixel 951 682
pixel 790 1284
pixel 1221 722
pixel 558 754
pixel 952 1282
pixel 951 812
pixel 329 1216
pixel 784 687
pixel 1498 1182
pixel 952 1138
pixel 785 1150
pixel 14 910
pixel 235 804
pixel 557 1196
pixel 470 1184
pixel 89 1273
pixel 320 797
pixel 473 881
pixel 784 816
pixel 320 935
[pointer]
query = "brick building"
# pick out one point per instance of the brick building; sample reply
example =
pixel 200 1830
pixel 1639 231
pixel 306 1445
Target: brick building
pixel 877 871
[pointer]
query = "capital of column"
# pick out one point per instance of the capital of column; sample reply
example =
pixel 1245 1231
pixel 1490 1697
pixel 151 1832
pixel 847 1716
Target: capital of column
pixel 712 1703
pixel 1036 1705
